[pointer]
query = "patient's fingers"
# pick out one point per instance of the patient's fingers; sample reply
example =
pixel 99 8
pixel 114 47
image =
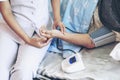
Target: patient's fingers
pixel 42 29
pixel 48 35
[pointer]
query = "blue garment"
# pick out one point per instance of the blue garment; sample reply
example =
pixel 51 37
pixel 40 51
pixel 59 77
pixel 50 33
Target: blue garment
pixel 76 15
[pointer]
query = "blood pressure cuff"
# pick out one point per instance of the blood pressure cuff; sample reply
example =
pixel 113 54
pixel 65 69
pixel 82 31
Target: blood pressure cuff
pixel 109 13
pixel 102 36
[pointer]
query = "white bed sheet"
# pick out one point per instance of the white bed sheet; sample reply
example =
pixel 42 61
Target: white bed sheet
pixel 99 65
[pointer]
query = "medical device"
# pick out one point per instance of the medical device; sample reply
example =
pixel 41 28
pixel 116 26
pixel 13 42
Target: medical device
pixel 73 64
pixel 102 36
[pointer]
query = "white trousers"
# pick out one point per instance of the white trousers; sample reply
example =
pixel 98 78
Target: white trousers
pixel 25 58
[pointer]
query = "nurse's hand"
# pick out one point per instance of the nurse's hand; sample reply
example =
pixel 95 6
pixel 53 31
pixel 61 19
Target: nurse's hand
pixel 39 42
pixel 59 24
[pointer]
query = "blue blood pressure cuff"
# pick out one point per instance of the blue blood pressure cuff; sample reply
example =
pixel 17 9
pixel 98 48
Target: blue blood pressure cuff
pixel 102 36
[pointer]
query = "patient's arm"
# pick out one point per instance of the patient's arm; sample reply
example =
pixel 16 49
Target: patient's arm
pixel 78 39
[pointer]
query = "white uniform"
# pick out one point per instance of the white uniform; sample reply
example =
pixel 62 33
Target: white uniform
pixel 30 14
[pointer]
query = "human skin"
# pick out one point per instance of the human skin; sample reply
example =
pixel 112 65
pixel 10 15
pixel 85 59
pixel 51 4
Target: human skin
pixel 75 38
pixel 5 9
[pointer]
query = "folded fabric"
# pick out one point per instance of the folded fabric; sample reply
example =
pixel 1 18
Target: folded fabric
pixel 115 53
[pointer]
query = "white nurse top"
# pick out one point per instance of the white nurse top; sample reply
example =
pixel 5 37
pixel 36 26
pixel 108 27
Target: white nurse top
pixel 31 14
pixel 35 11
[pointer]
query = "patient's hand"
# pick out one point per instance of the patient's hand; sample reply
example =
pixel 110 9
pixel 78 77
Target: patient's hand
pixel 51 33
